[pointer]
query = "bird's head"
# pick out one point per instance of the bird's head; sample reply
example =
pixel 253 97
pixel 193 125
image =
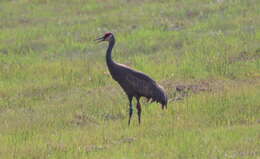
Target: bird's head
pixel 107 37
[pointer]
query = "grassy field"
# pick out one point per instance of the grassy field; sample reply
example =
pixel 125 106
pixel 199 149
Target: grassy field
pixel 58 101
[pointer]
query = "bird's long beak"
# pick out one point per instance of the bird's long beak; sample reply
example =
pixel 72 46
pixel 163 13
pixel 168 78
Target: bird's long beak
pixel 100 39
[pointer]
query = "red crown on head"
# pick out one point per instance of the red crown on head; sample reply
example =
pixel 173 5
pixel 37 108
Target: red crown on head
pixel 107 34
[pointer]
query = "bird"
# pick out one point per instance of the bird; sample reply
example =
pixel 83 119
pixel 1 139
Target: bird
pixel 134 83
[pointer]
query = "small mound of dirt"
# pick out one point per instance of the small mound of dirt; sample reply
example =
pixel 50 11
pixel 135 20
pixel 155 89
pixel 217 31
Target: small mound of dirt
pixel 184 90
pixel 180 90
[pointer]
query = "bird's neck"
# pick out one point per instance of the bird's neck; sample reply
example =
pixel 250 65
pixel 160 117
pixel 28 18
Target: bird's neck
pixel 109 60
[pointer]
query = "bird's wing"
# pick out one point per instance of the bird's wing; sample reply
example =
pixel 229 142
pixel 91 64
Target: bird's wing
pixel 141 76
pixel 141 83
pixel 137 74
pixel 145 86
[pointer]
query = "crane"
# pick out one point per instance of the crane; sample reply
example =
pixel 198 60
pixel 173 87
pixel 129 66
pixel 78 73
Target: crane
pixel 134 83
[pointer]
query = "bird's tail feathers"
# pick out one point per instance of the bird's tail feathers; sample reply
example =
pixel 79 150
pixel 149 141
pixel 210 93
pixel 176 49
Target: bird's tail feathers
pixel 159 96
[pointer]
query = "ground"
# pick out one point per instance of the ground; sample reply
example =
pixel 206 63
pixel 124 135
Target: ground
pixel 57 99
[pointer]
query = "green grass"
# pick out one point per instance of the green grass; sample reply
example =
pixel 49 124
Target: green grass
pixel 58 101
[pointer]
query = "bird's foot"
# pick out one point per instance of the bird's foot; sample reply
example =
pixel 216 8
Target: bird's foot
pixel 164 106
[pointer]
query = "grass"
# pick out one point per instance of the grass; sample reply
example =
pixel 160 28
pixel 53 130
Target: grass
pixel 57 99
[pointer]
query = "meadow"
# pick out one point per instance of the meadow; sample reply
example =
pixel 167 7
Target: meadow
pixel 58 101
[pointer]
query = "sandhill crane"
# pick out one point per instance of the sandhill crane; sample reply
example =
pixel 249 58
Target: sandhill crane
pixel 134 83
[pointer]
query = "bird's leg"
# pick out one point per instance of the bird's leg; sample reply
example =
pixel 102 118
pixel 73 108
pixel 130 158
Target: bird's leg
pixel 139 111
pixel 130 110
pixel 148 99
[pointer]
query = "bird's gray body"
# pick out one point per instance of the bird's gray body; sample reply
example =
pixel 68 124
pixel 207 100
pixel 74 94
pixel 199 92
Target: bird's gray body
pixel 137 84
